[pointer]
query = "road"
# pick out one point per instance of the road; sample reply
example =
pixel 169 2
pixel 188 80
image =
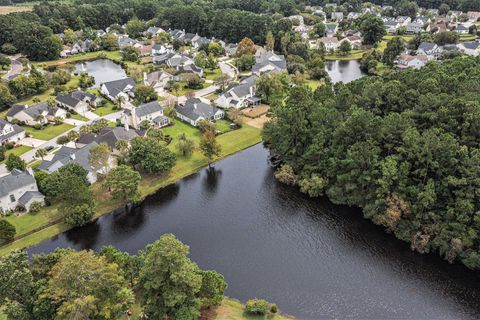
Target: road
pixel 16 68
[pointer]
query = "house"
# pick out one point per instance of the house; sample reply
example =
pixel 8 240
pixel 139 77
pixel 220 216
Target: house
pixel 330 43
pixel 151 112
pixel 159 49
pixel 67 155
pixel 337 16
pixel 355 42
pixel 19 189
pixel 414 28
pixel 100 33
pixel 423 20
pixel 123 88
pixel 473 15
pixel 39 114
pixel 176 34
pixel 429 49
pixel 78 101
pixel 471 48
pixel 200 41
pixel 153 31
pixel 10 132
pixel 190 68
pixel 433 12
pixel 145 50
pixel 173 59
pixel 269 62
pixel 331 29
pixel 353 16
pixel 391 26
pixel 158 80
pixel 408 61
pixel 231 49
pixel 126 41
pixel 454 14
pixel 111 136
pixel 239 95
pixel 195 110
pixel 461 29
pixel 403 21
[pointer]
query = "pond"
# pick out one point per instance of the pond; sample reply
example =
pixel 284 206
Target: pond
pixel 344 70
pixel 314 259
pixel 103 70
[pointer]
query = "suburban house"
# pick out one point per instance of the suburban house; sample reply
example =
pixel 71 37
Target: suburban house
pixel 190 68
pixel 391 26
pixel 408 61
pixel 461 29
pixel 176 34
pixel 151 112
pixel 78 101
pixel 353 15
pixel 153 31
pixel 123 88
pixel 67 155
pixel 19 189
pixel 473 15
pixel 471 48
pixel 40 114
pixel 111 136
pixel 403 21
pixel 337 16
pixel 195 110
pixel 125 41
pixel 231 49
pixel 158 80
pixel 423 20
pixel 429 49
pixel 240 95
pixel 173 59
pixel 414 27
pixel 454 14
pixel 269 62
pixel 159 49
pixel 10 132
pixel 330 43
pixel 100 33
pixel 331 29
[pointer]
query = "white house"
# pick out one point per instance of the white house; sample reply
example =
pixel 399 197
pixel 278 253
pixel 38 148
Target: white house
pixel 78 101
pixel 269 62
pixel 159 49
pixel 10 132
pixel 19 188
pixel 331 29
pixel 240 95
pixel 330 43
pixel 123 88
pixel 471 48
pixel 153 31
pixel 408 61
pixel 414 27
pixel 473 15
pixel 461 29
pixel 158 80
pixel 429 49
pixel 337 16
pixel 40 114
pixel 195 110
pixel 151 112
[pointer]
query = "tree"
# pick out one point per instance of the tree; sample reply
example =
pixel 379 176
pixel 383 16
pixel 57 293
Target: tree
pixel 245 62
pixel 4 62
pixel 99 157
pixel 130 54
pixel 70 36
pixel 41 153
pixel 270 41
pixel 446 37
pixel 318 30
pixel 109 42
pixel 15 162
pixel 169 282
pixel 123 182
pixel 209 146
pixel 213 288
pixel 372 29
pixel 201 59
pixel 144 94
pixel 86 286
pixel 6 97
pixel 184 145
pixel 246 47
pixel 86 81
pixel 345 48
pixel 216 49
pixel 151 156
pixel 393 50
pixel 73 135
pixel 443 9
pixel 135 27
pixel 7 231
pixel 407 8
pixel 272 87
pixel 258 307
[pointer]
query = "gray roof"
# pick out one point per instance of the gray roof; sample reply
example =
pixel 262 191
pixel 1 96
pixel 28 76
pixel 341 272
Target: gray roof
pixel 146 109
pixel 111 136
pixel 331 26
pixel 243 89
pixel 117 86
pixel 16 108
pixel 29 196
pixel 73 98
pixel 426 46
pixel 272 59
pixel 67 155
pixel 190 68
pixel 15 180
pixel 461 27
pixel 16 130
pixel 472 45
pixel 195 108
pixel 33 111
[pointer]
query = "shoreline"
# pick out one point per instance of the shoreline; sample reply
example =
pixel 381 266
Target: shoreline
pixel 246 137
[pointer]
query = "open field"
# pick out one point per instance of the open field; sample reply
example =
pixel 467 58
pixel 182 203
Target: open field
pixel 13 9
pixel 32 229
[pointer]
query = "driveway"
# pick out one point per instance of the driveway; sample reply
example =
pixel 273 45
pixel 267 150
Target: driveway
pixel 15 69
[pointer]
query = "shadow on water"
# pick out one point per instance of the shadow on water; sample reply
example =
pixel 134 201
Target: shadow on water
pixel 314 259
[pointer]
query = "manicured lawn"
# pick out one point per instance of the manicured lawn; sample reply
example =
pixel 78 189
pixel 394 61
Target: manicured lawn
pixel 234 310
pixel 182 127
pixel 467 37
pixel 18 150
pixel 212 74
pixel 79 117
pixel 50 132
pixel 212 96
pixel 112 55
pixel 231 142
pixel 223 125
pixel 404 37
pixel 184 89
pixel 107 109
pixel 354 55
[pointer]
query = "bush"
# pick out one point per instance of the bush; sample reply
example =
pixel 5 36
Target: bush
pixel 63 140
pixel 35 207
pixel 68 115
pixel 273 308
pixel 257 307
pixel 37 126
pixel 79 215
pixel 9 145
pixel 7 231
pixel 286 175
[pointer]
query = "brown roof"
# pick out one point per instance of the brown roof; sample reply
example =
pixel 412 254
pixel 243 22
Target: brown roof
pixel 328 40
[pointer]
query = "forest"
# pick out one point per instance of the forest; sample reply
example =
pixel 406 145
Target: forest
pixel 405 148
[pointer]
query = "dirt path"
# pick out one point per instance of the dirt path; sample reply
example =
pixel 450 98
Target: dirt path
pixel 257 122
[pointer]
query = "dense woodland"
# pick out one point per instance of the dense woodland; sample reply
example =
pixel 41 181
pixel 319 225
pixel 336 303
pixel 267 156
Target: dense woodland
pixel 404 148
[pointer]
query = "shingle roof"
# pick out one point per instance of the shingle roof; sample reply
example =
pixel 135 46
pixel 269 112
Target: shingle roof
pixel 29 196
pixel 270 59
pixel 16 130
pixel 426 46
pixel 69 155
pixel 146 109
pixel 195 108
pixel 117 86
pixel 73 98
pixel 111 136
pixel 15 180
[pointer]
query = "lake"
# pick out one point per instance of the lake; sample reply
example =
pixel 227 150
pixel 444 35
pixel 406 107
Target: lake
pixel 103 70
pixel 344 70
pixel 314 259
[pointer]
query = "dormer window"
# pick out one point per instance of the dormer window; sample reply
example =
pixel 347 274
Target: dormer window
pixel 12 198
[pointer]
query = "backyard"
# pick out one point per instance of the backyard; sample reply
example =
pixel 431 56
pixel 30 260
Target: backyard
pixel 49 132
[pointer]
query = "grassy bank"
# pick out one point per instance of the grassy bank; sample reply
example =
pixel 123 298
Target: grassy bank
pixel 233 310
pixel 32 229
pixel 353 55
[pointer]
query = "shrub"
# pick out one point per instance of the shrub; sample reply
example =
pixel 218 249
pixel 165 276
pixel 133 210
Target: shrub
pixel 273 308
pixel 35 207
pixel 63 140
pixel 286 175
pixel 7 231
pixel 68 115
pixel 9 145
pixel 37 126
pixel 257 307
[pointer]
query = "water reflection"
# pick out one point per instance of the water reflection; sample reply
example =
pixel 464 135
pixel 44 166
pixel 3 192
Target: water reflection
pixel 212 178
pixel 102 70
pixel 344 70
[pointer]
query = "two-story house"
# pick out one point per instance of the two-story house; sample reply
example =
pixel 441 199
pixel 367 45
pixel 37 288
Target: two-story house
pixel 123 88
pixel 78 101
pixel 195 110
pixel 240 95
pixel 10 132
pixel 151 112
pixel 19 189
pixel 39 114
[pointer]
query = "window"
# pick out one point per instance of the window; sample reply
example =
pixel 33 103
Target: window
pixel 12 198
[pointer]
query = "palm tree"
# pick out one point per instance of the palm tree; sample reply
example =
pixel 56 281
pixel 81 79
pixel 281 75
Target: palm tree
pixel 119 101
pixel 41 153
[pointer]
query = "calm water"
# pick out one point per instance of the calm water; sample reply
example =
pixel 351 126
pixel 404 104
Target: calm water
pixel 314 259
pixel 344 71
pixel 103 70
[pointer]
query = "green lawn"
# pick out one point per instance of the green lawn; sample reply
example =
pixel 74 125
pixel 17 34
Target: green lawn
pixel 354 55
pixel 50 132
pixel 184 89
pixel 234 310
pixel 107 109
pixel 467 37
pixel 314 84
pixel 44 96
pixel 112 55
pixel 223 125
pixel 212 74
pixel 79 117
pixel 231 142
pixel 404 37
pixel 18 150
